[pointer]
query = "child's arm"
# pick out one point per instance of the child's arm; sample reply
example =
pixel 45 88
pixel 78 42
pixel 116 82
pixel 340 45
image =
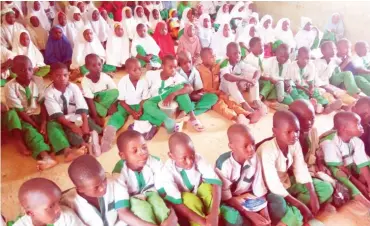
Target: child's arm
pixel 129 109
pixel 25 117
pixel 314 200
pixel 234 78
pixel 62 120
pixel 85 125
pixel 185 90
pixel 212 217
pixel 128 217
pixel 365 172
pixel 189 214
pixel 93 114
pixel 306 212
pixel 362 71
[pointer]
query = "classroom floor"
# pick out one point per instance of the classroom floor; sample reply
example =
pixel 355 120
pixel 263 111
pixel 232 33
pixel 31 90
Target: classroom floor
pixel 15 168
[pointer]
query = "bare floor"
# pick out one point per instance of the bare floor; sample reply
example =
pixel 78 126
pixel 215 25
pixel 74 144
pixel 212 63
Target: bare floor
pixel 15 168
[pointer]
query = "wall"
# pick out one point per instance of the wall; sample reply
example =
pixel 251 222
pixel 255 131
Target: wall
pixel 355 14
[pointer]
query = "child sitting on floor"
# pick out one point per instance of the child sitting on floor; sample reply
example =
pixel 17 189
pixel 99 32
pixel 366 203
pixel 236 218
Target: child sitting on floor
pixel 292 200
pixel 362 108
pixel 189 41
pixel 361 62
pixel 345 156
pixel 24 95
pixel 58 48
pixel 137 172
pixel 189 184
pixel 203 101
pixel 240 171
pixel 118 45
pixel 6 64
pixel 39 35
pixel 9 27
pixel 40 199
pixel 255 57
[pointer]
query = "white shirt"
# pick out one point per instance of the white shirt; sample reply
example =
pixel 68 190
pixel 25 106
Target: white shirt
pixel 255 61
pixel 338 153
pixel 113 200
pixel 302 76
pixel 360 62
pixel 193 79
pixel 67 218
pixel 129 93
pixel 276 165
pixel 175 180
pixel 157 86
pixel 324 71
pixel 239 179
pixel 240 69
pixel 75 102
pixel 90 88
pixel 272 69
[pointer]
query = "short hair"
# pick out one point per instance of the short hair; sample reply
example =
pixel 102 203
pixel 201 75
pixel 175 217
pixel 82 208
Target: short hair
pixel 359 43
pixel 126 136
pixel 303 49
pixel 341 119
pixel 254 41
pixel 325 44
pixel 282 47
pixel 203 51
pixel 84 167
pixel 231 45
pixel 90 56
pixel 140 26
pixel 283 116
pixel 20 59
pixel 57 66
pixel 168 58
pixel 343 40
pixel 183 55
pixel 130 61
pixel 179 138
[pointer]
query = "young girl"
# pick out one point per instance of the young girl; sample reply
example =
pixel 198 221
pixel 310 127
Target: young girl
pixel 205 30
pixel 154 18
pixel 129 23
pixel 244 38
pixel 35 8
pixel 118 46
pixel 187 17
pixel 284 34
pixel 254 19
pixel 190 42
pixel 221 39
pixel 164 40
pixel 23 45
pixel 76 19
pixel 266 32
pixel 39 35
pixel 98 24
pixel 9 27
pixel 67 27
pixel 173 23
pixel 223 16
pixel 139 16
pixel 106 17
pixel 238 13
pixel 334 30
pixel 307 36
pixel 58 48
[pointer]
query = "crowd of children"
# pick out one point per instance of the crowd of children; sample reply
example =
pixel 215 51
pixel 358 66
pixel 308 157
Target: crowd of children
pixel 209 56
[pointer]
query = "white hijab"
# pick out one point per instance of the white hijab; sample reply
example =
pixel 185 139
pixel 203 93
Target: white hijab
pixel 38 35
pixel 205 34
pixel 303 37
pixel 256 16
pixel 266 34
pixel 222 17
pixel 8 31
pixel 153 22
pixel 285 36
pixel 129 24
pixel 52 9
pixel 44 20
pixel 140 20
pixel 82 48
pixel 184 18
pixel 245 37
pixel 100 27
pixel 219 42
pixel 148 43
pixel 78 25
pixel 31 51
pixel 117 47
pixel 235 11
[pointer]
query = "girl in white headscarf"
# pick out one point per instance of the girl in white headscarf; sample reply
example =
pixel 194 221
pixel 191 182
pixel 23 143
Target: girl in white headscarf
pixel 307 34
pixel 75 18
pixel 221 39
pixel 117 46
pixel 98 24
pixel 243 39
pixel 238 13
pixel 267 34
pixel 154 18
pixel 205 30
pixel 69 9
pixel 139 15
pixel 254 19
pixel 39 35
pixel 16 6
pixel 9 27
pixel 51 9
pixel 36 8
pixel 223 15
pixel 284 34
pixel 128 22
pixel 68 28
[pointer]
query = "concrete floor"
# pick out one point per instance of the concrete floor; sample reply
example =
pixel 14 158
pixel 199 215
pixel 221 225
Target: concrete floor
pixel 15 168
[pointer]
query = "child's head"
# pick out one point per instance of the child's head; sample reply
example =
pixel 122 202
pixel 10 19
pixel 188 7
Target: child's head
pixel 303 56
pixel 162 26
pixel 128 13
pixel 190 15
pixel 206 22
pixel 308 26
pixel 88 35
pixel 57 32
pixel 156 14
pixel 285 127
pixel 174 13
pixel 94 64
pixel 328 49
pixel 282 53
pixel 36 6
pixel 226 30
pixel 76 16
pixel 208 57
pixel 255 45
pixel 24 39
pixel 95 15
pixel 185 62
pixel 233 52
pixel 40 199
pixel 81 6
pixel 190 30
pixel 241 142
pixel 335 18
pixel 267 23
pixel 361 48
pixel 285 25
pixel 306 23
pixel 133 149
pixel 252 20
pixel 305 113
pixel 362 108
pixel 62 18
pixel 88 176
pixel 343 47
pixel 225 8
pixel 104 14
pixel 169 65
pixel 34 21
pixel 182 150
pixel 22 67
pixel 10 17
pixel 141 30
pixel 139 11
pixel 118 30
pixel 133 68
pixel 59 75
pixel 348 124
pixel 252 31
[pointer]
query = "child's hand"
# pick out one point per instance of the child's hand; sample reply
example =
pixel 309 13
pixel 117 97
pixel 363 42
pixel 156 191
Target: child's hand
pixel 136 115
pixel 314 204
pixel 43 130
pixel 168 100
pixel 85 129
pixel 100 121
pixel 306 212
pixel 76 130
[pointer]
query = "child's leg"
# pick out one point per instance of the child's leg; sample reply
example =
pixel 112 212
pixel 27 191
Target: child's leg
pixel 345 181
pixel 14 125
pixel 93 126
pixel 363 83
pixel 280 211
pixel 141 51
pixel 324 191
pixel 194 203
pixel 161 211
pixel 57 137
pixel 232 216
pixel 142 209
pixel 117 120
pixel 232 104
pixel 348 79
pixel 43 71
pixel 103 101
pixel 221 108
pixel 266 88
pixel 205 103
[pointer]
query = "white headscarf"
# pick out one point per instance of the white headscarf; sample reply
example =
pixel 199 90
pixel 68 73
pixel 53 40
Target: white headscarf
pixel 245 36
pixel 117 47
pixel 8 31
pixel 148 43
pixel 205 34
pixel 222 17
pixel 52 9
pixel 256 16
pixel 44 20
pixel 69 10
pixel 153 22
pixel 157 5
pixel 69 30
pixel 235 11
pixel 82 48
pixel 140 20
pixel 38 35
pixel 100 27
pixel 78 25
pixel 303 37
pixel 17 5
pixel 129 24
pixel 184 18
pixel 285 36
pixel 219 42
pixel 267 35
pixel 31 51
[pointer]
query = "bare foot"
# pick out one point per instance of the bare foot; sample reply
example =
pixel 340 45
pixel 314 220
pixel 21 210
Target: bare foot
pixel 95 149
pixel 241 119
pixel 46 163
pixel 328 207
pixel 70 154
pixel 255 116
pixel 336 105
pixel 246 107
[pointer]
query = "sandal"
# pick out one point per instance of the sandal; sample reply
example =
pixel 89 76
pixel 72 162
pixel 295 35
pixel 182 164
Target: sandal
pixel 197 125
pixel 94 147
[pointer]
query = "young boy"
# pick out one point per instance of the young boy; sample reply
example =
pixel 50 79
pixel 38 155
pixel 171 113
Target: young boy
pixel 169 86
pixel 241 173
pixel 203 101
pixel 99 90
pixel 138 172
pixel 290 197
pixel 362 108
pixel 189 184
pixel 96 199
pixel 209 72
pixel 238 77
pixel 40 199
pixel 361 63
pixel 24 97
pixel 302 74
pixel 68 113
pixel 255 57
pixel 345 155
pixel 133 91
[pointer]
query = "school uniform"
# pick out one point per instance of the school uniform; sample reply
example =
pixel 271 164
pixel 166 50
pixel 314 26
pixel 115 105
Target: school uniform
pixel 153 209
pixel 338 153
pixel 207 100
pixel 70 104
pixel 231 88
pixel 5 56
pixel 67 218
pixel 238 179
pixel 362 80
pixel 144 46
pixel 26 99
pixel 113 200
pixel 281 184
pixel 104 92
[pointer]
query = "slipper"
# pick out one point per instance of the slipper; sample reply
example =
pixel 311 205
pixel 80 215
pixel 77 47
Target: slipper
pixel 197 125
pixel 94 149
pixel 108 137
